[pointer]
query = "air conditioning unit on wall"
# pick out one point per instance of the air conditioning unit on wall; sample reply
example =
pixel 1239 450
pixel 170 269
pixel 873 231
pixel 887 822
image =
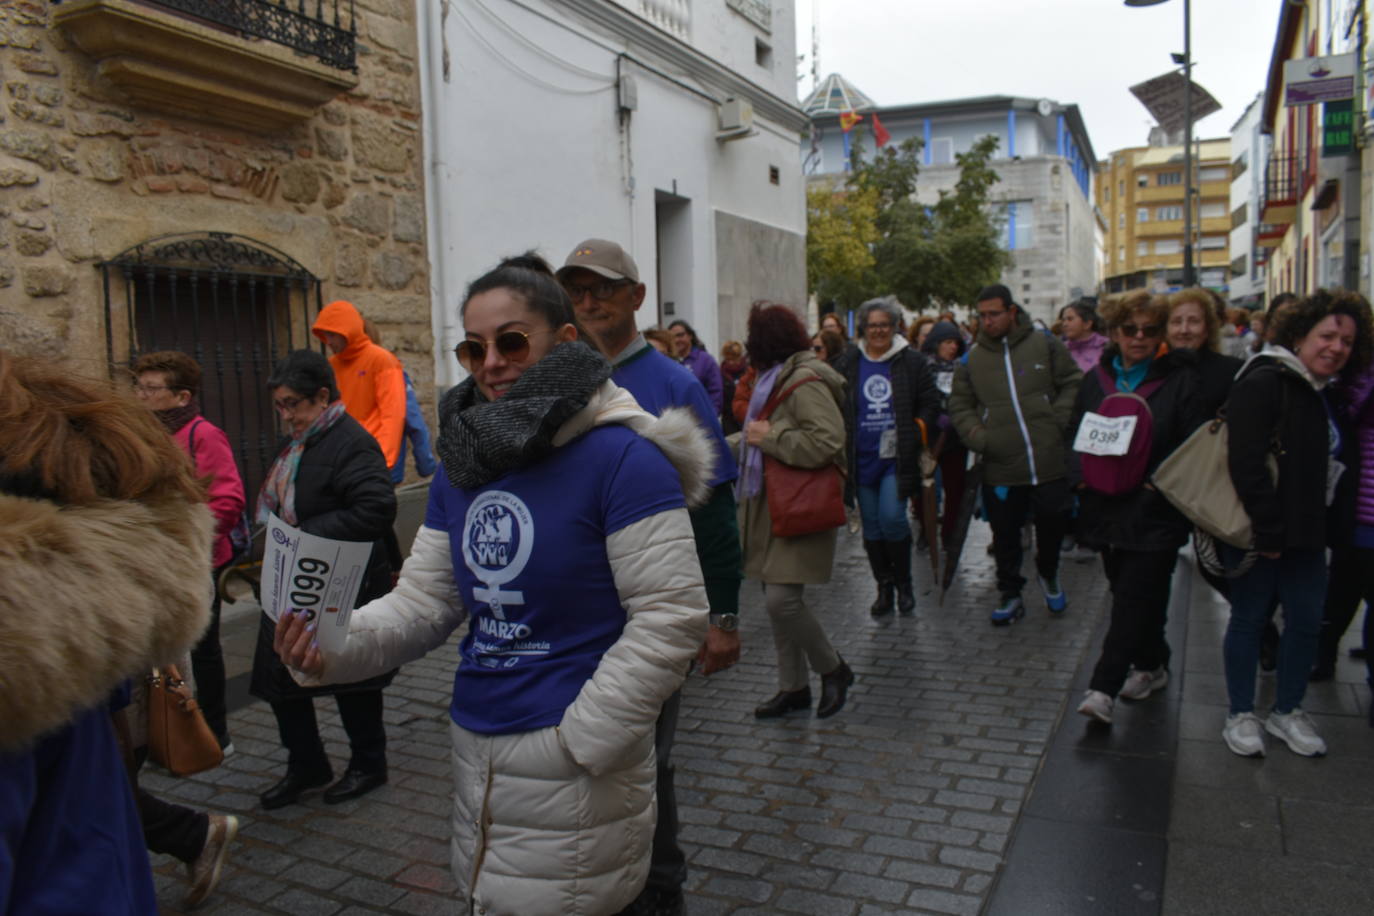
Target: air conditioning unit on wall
pixel 736 119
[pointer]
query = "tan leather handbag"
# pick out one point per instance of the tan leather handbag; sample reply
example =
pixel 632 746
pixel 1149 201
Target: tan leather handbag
pixel 178 736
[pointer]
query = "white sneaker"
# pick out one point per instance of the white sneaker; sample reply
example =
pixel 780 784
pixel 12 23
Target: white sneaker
pixel 1243 735
pixel 1140 684
pixel 1096 705
pixel 1297 731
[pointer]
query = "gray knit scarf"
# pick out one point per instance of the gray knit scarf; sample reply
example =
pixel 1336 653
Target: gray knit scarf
pixel 481 440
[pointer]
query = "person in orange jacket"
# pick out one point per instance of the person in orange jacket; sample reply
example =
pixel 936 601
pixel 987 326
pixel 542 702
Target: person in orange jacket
pixel 370 377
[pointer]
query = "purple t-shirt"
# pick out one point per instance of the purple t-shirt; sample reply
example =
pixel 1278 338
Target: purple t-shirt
pixel 529 557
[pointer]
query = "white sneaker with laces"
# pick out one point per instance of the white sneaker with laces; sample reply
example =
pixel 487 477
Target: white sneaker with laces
pixel 1140 684
pixel 1096 705
pixel 1244 735
pixel 1297 731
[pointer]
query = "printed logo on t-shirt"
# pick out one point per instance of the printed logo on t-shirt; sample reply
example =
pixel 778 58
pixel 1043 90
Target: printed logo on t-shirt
pixel 877 390
pixel 498 536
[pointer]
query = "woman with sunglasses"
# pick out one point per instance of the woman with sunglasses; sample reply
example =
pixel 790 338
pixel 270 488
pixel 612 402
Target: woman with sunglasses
pixel 558 530
pixel 330 480
pixel 1136 529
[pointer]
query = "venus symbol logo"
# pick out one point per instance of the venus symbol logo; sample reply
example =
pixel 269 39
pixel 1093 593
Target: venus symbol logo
pixel 498 535
pixel 877 390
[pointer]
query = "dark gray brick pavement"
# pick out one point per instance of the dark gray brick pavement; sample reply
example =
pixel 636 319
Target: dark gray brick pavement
pixel 901 803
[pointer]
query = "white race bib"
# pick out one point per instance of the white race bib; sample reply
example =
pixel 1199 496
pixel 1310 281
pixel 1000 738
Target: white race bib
pixel 1099 435
pixel 887 444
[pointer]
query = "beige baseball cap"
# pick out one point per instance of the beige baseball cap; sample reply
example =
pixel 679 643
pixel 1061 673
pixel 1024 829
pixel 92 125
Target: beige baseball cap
pixel 604 258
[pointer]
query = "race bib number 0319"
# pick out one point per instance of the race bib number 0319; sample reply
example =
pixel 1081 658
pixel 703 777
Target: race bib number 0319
pixel 1099 435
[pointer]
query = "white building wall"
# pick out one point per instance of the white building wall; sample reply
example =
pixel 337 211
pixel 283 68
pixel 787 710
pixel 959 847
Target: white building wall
pixel 1247 190
pixel 528 148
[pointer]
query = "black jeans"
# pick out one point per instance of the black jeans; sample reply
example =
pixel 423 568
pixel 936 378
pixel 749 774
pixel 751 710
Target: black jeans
pixel 169 828
pixel 1049 502
pixel 1351 581
pixel 668 863
pixel 207 663
pixel 1140 581
pixel 362 720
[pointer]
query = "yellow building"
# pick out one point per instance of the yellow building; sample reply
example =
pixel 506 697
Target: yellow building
pixel 1140 193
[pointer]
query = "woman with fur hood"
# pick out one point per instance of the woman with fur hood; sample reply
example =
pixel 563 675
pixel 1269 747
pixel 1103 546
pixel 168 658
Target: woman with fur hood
pixel 105 563
pixel 558 529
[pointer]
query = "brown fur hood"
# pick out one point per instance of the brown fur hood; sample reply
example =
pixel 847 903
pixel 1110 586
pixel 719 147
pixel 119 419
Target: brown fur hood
pixel 90 596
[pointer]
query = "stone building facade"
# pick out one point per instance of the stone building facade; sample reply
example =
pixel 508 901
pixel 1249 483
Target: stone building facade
pixel 169 181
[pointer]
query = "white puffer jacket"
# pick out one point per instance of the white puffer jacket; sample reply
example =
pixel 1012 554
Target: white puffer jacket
pixel 561 820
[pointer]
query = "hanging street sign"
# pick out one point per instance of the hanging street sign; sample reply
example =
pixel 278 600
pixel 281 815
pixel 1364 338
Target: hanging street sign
pixel 1308 80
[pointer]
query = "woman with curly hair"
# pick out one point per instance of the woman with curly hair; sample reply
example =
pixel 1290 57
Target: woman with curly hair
pixel 805 430
pixel 1280 406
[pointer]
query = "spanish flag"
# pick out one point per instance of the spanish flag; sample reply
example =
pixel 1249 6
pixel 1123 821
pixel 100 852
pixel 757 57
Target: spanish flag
pixel 848 119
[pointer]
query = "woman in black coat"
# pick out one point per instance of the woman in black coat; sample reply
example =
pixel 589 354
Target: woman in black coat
pixel 891 390
pixel 331 481
pixel 1280 406
pixel 1138 531
pixel 1194 326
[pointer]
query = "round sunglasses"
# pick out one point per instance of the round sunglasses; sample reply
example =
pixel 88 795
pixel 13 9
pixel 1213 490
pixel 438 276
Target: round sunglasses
pixel 510 345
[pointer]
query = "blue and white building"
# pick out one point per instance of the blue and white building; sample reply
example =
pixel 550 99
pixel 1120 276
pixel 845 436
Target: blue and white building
pixel 1044 159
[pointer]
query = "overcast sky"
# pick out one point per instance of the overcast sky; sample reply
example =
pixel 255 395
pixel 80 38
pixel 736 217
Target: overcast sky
pixel 1084 52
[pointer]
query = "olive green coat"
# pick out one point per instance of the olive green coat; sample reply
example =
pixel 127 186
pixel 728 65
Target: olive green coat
pixel 807 432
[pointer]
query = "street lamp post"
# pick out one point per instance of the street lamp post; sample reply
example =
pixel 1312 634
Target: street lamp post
pixel 1189 278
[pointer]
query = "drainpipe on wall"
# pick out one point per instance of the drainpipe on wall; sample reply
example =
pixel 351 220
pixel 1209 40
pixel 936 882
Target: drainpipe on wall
pixel 433 53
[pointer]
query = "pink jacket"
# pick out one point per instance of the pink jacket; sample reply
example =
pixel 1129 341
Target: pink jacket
pixel 214 459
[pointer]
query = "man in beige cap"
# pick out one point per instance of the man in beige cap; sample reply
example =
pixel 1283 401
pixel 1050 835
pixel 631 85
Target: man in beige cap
pixel 603 282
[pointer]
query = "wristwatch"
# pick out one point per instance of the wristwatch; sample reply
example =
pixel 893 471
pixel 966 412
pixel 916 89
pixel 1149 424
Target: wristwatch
pixel 727 622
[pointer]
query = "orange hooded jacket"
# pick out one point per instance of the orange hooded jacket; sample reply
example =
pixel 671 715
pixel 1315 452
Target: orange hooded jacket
pixel 370 378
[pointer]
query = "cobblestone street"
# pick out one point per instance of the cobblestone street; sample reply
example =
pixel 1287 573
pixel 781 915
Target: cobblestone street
pixel 902 803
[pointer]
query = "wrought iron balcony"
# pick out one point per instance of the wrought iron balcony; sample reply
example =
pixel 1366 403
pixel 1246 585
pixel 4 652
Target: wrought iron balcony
pixel 1281 176
pixel 323 29
pixel 261 65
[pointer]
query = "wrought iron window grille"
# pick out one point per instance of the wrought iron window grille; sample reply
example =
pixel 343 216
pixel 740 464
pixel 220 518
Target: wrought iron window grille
pixel 318 28
pixel 233 304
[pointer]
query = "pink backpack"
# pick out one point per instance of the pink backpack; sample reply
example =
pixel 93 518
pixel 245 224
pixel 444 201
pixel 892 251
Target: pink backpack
pixel 1114 475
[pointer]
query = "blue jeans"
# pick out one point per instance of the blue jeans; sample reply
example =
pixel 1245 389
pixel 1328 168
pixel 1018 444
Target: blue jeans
pixel 883 514
pixel 1297 580
pixel 417 432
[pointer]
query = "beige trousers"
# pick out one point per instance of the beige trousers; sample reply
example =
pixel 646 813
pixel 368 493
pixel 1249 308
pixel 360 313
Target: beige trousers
pixel 798 637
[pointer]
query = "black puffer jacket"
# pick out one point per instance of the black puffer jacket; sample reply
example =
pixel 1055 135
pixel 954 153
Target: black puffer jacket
pixel 1141 519
pixel 1272 400
pixel 914 397
pixel 344 492
pixel 1216 374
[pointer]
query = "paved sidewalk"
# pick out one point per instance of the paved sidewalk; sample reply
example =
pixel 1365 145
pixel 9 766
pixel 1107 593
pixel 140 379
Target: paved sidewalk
pixel 1278 834
pixel 902 803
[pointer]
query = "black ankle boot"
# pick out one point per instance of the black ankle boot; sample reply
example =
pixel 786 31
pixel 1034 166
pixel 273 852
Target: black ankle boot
pixel 834 689
pixel 882 574
pixel 899 559
pixel 784 702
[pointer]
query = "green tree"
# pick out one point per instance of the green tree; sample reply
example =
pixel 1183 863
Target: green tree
pixel 928 255
pixel 841 230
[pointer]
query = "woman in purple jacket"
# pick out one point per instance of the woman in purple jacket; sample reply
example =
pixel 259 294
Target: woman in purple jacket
pixel 1083 334
pixel 687 349
pixel 1352 565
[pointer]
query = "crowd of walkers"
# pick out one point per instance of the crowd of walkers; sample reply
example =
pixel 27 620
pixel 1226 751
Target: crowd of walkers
pixel 587 605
